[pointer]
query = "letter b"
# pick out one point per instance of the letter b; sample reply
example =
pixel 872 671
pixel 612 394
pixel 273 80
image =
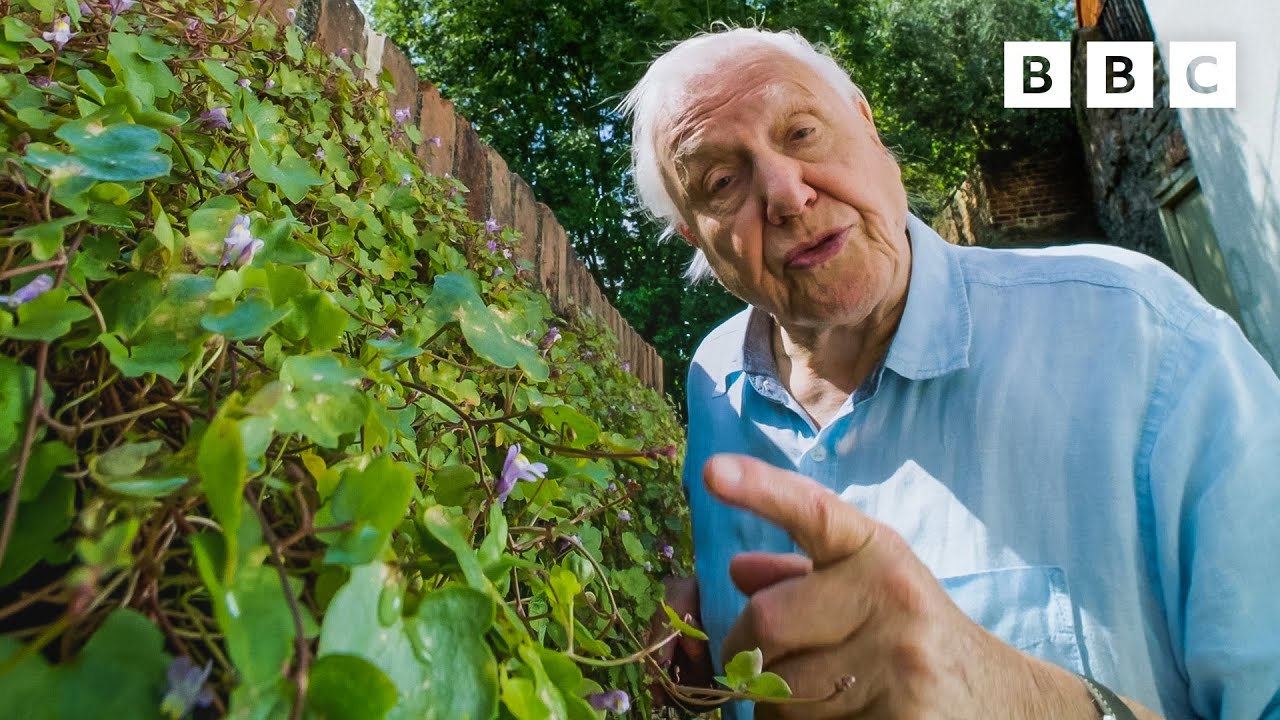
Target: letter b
pixel 1037 74
pixel 1119 74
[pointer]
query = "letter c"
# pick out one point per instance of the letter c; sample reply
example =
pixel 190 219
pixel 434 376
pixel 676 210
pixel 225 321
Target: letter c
pixel 1191 75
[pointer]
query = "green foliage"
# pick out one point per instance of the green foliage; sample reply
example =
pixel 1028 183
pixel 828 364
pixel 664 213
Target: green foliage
pixel 539 81
pixel 258 381
pixel 744 673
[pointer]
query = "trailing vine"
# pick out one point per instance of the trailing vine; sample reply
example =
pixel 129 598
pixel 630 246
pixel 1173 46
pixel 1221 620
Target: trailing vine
pixel 283 432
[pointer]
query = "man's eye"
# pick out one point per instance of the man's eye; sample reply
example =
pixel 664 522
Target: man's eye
pixel 719 183
pixel 801 133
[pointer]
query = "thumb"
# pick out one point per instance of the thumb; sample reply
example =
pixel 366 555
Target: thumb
pixel 825 527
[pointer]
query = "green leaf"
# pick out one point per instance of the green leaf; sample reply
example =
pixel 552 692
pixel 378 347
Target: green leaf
pixel 291 174
pixel 742 669
pixel 635 550
pixel 374 500
pixel 321 400
pixel 678 624
pixel 46 238
pixel 439 526
pixel 119 152
pixel 113 549
pixel 120 672
pixel 39 523
pixel 348 687
pixel 47 318
pixel 247 319
pixel 769 685
pixel 221 463
pixel 136 470
pixel 127 301
pixel 453 484
pixel 138 62
pixel 45 459
pixel 453 297
pixel 438 658
pixel 160 356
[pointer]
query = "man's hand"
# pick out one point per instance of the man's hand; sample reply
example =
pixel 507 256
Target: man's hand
pixel 863 604
pixel 688 660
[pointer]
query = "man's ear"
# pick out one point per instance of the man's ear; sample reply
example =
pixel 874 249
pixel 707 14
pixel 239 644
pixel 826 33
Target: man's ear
pixel 687 233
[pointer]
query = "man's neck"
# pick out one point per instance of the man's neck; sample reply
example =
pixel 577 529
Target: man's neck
pixel 822 366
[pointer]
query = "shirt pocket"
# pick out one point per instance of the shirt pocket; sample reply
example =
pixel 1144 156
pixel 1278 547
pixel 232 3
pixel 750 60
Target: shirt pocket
pixel 1029 608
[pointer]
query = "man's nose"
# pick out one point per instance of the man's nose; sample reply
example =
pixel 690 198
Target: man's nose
pixel 786 192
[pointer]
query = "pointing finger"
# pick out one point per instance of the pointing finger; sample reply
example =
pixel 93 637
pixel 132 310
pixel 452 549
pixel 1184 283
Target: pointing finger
pixel 752 572
pixel 825 527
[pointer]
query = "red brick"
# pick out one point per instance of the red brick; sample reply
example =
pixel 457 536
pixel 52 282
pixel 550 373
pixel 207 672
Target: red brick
pixel 472 168
pixel 341 26
pixel 524 212
pixel 552 243
pixel 438 119
pixel 278 9
pixel 405 79
pixel 499 189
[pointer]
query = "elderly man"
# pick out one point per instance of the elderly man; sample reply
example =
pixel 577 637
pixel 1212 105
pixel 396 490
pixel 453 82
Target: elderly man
pixel 969 479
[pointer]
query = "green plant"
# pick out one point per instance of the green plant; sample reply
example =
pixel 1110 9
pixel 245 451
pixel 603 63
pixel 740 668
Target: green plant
pixel 262 384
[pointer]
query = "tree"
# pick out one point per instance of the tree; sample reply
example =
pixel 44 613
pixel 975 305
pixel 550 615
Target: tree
pixel 539 81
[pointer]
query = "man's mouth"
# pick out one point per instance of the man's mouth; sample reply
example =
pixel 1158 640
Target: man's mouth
pixel 813 255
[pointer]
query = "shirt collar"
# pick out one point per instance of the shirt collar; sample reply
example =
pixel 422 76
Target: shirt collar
pixel 934 335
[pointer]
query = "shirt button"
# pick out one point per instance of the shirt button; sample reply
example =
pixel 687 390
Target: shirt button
pixel 819 454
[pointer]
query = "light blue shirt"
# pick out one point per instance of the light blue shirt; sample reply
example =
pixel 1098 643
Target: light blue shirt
pixel 1084 452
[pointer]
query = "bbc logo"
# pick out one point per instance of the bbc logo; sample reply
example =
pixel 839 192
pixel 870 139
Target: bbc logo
pixel 1119 75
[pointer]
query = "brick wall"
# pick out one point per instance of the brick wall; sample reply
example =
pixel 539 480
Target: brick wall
pixel 1035 196
pixel 1129 152
pixel 495 191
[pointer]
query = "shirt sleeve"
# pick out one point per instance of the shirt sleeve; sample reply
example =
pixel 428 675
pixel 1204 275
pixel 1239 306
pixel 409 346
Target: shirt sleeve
pixel 1214 494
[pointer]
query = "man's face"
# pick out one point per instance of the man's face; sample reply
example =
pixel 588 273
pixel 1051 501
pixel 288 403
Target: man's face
pixel 785 186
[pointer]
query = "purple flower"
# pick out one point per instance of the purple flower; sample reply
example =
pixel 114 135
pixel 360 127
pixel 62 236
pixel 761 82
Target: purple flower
pixel 243 82
pixel 492 225
pixel 614 701
pixel 193 24
pixel 626 366
pixel 119 7
pixel 32 290
pixel 613 487
pixel 240 245
pixel 215 119
pixel 405 179
pixel 624 516
pixel 292 15
pixel 493 245
pixel 435 140
pixel 667 551
pixel 402 115
pixel 319 153
pixel 61 33
pixel 516 468
pixel 85 10
pixel 269 84
pixel 388 334
pixel 496 272
pixel 549 339
pixel 228 179
pixel 186 687
pixel 41 81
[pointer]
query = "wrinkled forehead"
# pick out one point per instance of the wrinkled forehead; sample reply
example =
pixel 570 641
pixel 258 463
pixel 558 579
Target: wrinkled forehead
pixel 766 79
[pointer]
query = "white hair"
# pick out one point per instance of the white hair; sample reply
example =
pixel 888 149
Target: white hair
pixel 665 87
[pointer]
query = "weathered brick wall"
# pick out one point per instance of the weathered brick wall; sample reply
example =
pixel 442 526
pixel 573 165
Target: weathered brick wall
pixel 495 191
pixel 1029 197
pixel 1129 152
